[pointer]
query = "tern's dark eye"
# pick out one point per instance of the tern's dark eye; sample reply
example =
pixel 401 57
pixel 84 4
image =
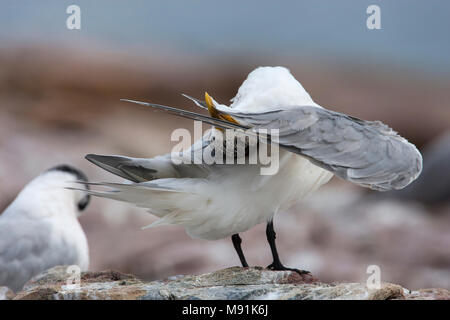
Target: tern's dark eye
pixel 83 203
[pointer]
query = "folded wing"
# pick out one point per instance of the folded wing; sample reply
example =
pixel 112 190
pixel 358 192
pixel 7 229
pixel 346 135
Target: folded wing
pixel 367 153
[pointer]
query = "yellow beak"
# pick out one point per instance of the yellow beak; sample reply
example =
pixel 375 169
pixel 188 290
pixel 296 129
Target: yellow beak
pixel 213 111
pixel 209 103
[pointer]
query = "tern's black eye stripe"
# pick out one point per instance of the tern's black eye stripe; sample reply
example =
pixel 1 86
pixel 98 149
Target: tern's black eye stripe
pixel 80 177
pixel 84 202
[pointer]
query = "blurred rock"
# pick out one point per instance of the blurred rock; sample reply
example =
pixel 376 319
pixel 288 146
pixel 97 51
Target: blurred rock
pixel 234 283
pixel 429 294
pixel 351 232
pixel 6 293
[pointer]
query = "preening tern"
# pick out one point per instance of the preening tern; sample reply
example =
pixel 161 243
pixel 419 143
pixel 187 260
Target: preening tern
pixel 214 201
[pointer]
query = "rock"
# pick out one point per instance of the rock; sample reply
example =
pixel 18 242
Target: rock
pixel 429 294
pixel 231 283
pixel 6 293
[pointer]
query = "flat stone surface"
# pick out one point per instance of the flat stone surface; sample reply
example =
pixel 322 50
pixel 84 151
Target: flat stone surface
pixel 231 283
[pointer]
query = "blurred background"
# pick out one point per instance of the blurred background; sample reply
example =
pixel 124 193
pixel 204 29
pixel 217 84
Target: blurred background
pixel 59 100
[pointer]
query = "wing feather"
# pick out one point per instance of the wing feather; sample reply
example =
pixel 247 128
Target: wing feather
pixel 141 169
pixel 367 153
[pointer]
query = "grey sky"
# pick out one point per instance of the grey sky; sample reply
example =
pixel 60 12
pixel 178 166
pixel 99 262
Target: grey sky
pixel 414 33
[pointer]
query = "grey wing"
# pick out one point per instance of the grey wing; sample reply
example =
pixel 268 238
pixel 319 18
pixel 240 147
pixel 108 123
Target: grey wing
pixel 367 153
pixel 141 169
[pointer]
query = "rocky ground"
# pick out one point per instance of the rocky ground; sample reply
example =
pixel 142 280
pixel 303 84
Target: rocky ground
pixel 56 106
pixel 233 283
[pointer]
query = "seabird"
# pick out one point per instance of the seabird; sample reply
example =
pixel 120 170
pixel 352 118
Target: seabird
pixel 214 201
pixel 40 228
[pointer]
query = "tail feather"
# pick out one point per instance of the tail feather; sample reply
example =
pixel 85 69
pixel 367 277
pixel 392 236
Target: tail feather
pixel 156 186
pixel 163 221
pixel 135 169
pixel 167 198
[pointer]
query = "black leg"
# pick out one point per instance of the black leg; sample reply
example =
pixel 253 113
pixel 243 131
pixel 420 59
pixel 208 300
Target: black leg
pixel 276 264
pixel 237 246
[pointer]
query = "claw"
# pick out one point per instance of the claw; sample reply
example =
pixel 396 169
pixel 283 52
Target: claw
pixel 280 267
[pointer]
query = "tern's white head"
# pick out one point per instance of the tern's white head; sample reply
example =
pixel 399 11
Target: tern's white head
pixel 46 195
pixel 268 88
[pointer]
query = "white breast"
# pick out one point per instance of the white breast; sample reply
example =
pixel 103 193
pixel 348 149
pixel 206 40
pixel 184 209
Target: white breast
pixel 241 198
